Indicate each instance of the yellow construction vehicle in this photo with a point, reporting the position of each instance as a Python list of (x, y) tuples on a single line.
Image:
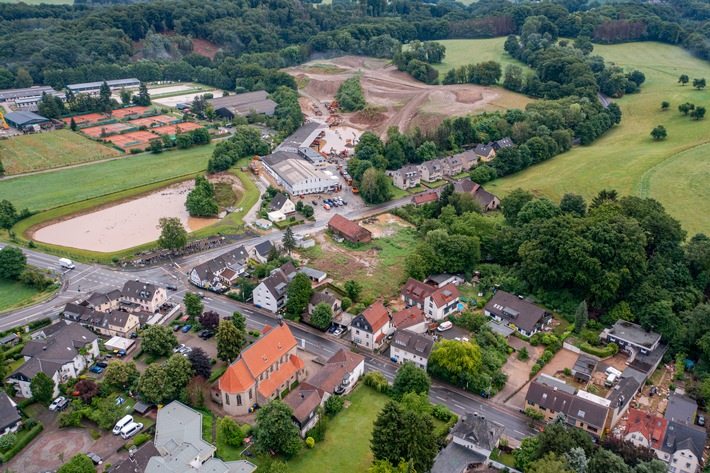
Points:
[(3, 123)]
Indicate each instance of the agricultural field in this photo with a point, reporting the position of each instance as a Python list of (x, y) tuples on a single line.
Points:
[(462, 52), (378, 266), (54, 149), (674, 171), (55, 189)]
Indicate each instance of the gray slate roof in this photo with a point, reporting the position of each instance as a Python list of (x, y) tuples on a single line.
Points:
[(475, 428), (419, 345), (139, 290), (278, 202), (679, 437), (634, 333), (455, 458), (138, 462), (263, 248), (510, 308), (9, 415), (681, 409)]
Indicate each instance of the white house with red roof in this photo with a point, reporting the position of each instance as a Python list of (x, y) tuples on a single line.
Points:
[(262, 372), (370, 328), (442, 302)]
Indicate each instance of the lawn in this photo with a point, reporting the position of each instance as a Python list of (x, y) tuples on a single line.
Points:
[(462, 52), (14, 295), (54, 189), (54, 149), (435, 184), (378, 266), (673, 171), (347, 442)]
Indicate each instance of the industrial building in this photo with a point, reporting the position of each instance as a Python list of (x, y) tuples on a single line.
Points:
[(93, 88), (297, 175), (22, 119), (243, 105), (301, 138), (10, 95)]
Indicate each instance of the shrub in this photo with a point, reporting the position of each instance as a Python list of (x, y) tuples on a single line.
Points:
[(535, 369), (8, 441), (523, 354), (672, 386), (30, 423), (609, 350), (534, 414), (441, 412), (34, 432), (69, 419), (140, 439), (568, 372), (95, 435), (333, 405), (310, 443), (377, 380)]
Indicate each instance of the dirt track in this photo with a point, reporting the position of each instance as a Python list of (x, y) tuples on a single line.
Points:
[(403, 101)]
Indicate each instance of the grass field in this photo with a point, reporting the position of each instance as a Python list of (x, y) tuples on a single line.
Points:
[(462, 52), (14, 295), (347, 441), (26, 153), (55, 189), (674, 171)]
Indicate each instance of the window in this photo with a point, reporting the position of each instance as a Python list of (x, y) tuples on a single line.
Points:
[(239, 399), (226, 398), (250, 395)]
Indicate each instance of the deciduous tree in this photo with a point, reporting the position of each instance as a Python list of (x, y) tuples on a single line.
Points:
[(410, 379), (155, 385), (173, 235), (87, 390), (230, 341), (12, 262), (374, 187), (121, 374), (275, 430), (79, 463), (353, 289), (659, 133), (179, 370), (698, 113), (683, 79), (699, 83), (299, 293), (230, 431), (200, 362), (209, 319), (158, 340), (322, 315), (239, 321), (42, 387), (193, 304)]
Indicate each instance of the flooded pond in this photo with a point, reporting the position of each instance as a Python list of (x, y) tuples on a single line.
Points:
[(124, 225)]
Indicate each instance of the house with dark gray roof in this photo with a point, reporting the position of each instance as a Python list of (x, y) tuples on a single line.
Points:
[(431, 171), (270, 294), (260, 252), (684, 446), (502, 143), (631, 337), (10, 418), (681, 409), (281, 203), (220, 271), (62, 356), (324, 298), (406, 177), (474, 438), (143, 296), (516, 312), (486, 153), (178, 440), (409, 346), (137, 461)]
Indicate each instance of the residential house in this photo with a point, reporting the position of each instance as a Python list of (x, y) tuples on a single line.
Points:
[(181, 448), (684, 446), (681, 409), (406, 177), (260, 252), (270, 294), (281, 203), (370, 328), (621, 395), (645, 430), (10, 419), (337, 377), (415, 293), (348, 229), (412, 320), (263, 371), (324, 298), (147, 297), (517, 313), (474, 439), (62, 356), (441, 280), (502, 143), (221, 271), (276, 216), (118, 323), (421, 199), (468, 159), (408, 346), (485, 153), (137, 461), (631, 337), (453, 165), (431, 171), (487, 200), (263, 224), (442, 302)]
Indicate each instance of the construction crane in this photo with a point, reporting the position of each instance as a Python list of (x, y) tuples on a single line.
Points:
[(3, 123)]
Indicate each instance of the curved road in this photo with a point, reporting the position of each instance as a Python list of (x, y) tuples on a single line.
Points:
[(90, 278)]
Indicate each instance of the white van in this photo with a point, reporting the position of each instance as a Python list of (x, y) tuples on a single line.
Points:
[(66, 263), (444, 326), (130, 430), (121, 424)]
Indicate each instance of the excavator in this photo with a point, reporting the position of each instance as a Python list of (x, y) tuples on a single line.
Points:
[(3, 123)]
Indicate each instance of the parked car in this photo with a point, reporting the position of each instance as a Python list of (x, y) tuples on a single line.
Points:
[(130, 430), (102, 364), (55, 403), (326, 206), (121, 353), (338, 332), (701, 421), (332, 329), (205, 334), (134, 335), (63, 405), (176, 328), (95, 458), (171, 287), (122, 423), (178, 348), (186, 328), (314, 202), (96, 369), (185, 351), (201, 294)]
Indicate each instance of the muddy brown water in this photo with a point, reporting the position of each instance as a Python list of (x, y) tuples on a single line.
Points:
[(126, 224)]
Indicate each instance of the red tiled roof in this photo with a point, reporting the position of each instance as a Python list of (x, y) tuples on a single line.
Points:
[(424, 198), (376, 315), (347, 227), (380, 337), (650, 426), (265, 351), (445, 295), (277, 378), (408, 317), (303, 401), (417, 291), (236, 379), (351, 360)]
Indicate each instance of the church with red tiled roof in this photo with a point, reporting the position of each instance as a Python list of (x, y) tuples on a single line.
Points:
[(262, 372)]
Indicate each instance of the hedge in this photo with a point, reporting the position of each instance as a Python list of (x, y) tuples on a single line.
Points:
[(22, 443), (609, 350), (442, 431)]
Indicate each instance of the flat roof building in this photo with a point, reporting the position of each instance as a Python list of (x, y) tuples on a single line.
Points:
[(94, 87), (243, 105), (9, 95), (631, 336), (301, 138), (24, 118), (296, 175)]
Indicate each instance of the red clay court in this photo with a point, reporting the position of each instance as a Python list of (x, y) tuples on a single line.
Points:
[(130, 112), (109, 129), (133, 139), (158, 120), (87, 119), (173, 129)]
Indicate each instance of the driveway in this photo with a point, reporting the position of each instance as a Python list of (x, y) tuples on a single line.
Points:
[(53, 446), (518, 376)]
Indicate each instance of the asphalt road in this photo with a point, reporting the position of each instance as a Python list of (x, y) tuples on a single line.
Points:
[(95, 278)]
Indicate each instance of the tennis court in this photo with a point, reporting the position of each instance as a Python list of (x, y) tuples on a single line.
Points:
[(132, 140), (176, 128), (130, 112), (108, 129), (158, 120)]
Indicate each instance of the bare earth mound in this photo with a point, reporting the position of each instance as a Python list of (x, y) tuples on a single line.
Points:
[(404, 101)]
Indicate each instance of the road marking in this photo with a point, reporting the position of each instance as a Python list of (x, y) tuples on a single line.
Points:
[(460, 407), (440, 398)]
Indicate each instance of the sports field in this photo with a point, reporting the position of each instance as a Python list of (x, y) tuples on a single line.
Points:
[(675, 171), (50, 190), (462, 52), (26, 153)]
